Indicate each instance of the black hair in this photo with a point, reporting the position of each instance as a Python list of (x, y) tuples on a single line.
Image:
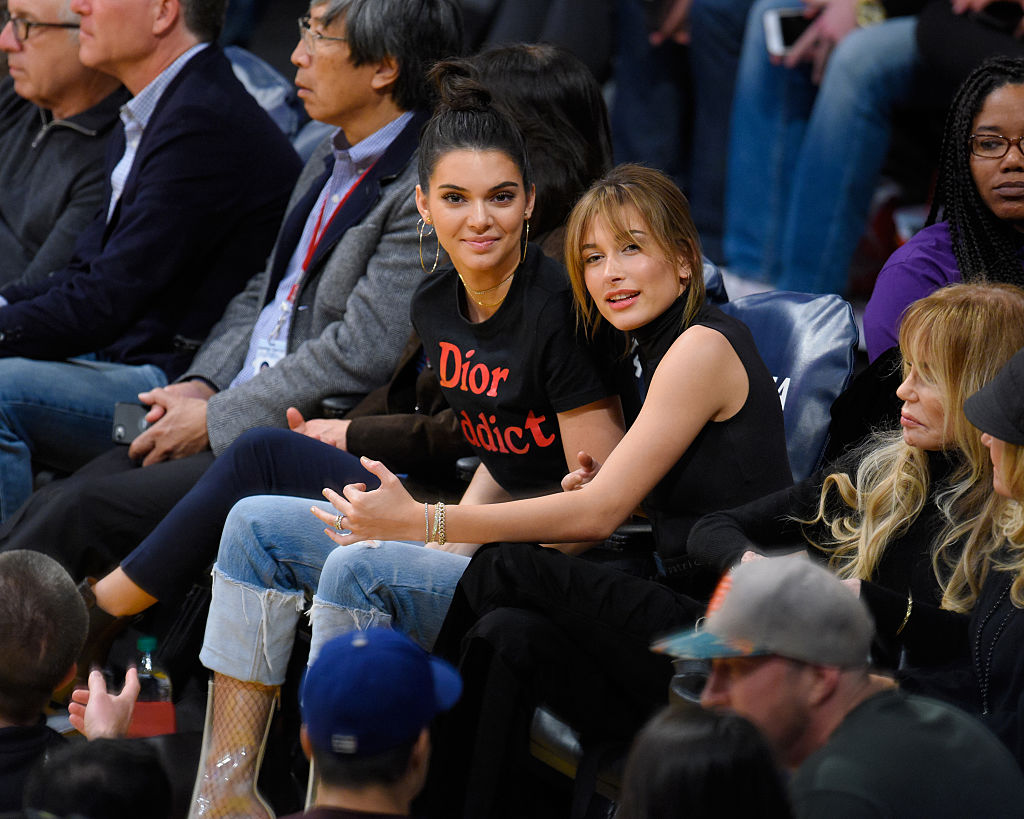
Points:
[(204, 18), (385, 768), (102, 779), (43, 620), (557, 104), (695, 763), (465, 119), (417, 33), (985, 247)]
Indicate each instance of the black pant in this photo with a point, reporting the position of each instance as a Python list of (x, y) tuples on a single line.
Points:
[(530, 626)]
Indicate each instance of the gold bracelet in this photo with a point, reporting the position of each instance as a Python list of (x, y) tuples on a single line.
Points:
[(426, 522), (906, 617), (439, 523)]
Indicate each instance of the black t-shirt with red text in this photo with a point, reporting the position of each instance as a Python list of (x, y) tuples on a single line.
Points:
[(509, 376)]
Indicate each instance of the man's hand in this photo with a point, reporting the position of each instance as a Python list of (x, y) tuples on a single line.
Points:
[(178, 418), (331, 431), (98, 715), (675, 24), (835, 19)]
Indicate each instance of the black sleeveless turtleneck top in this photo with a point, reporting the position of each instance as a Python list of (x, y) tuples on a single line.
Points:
[(729, 462)]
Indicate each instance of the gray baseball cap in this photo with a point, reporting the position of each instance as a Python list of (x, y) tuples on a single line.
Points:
[(787, 606)]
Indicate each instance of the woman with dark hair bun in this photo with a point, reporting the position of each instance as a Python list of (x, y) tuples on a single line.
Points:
[(979, 197), (560, 110)]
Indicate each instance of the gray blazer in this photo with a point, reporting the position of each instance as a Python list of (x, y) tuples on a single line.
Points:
[(352, 312)]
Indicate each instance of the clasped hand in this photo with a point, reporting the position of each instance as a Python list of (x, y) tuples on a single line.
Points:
[(177, 417)]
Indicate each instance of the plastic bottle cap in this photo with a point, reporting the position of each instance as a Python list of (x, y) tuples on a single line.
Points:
[(146, 644)]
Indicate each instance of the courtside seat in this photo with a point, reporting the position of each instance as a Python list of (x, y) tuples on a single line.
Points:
[(808, 342)]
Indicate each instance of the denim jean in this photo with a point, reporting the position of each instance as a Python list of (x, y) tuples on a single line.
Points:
[(59, 413), (716, 37), (648, 115), (804, 161), (274, 555)]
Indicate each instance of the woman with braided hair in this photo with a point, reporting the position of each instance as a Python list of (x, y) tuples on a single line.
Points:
[(979, 195)]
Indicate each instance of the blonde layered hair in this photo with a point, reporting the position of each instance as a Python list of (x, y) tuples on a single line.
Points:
[(625, 192), (1009, 523), (959, 336)]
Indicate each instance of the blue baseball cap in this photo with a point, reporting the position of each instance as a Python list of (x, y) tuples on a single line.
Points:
[(370, 691)]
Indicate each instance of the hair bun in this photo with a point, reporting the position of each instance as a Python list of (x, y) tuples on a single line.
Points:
[(458, 87)]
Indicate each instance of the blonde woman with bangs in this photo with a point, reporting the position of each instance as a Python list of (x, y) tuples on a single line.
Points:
[(996, 689), (907, 517)]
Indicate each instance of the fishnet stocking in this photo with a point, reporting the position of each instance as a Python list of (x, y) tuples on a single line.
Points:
[(237, 719)]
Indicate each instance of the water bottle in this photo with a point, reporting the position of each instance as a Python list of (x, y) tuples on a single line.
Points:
[(154, 710)]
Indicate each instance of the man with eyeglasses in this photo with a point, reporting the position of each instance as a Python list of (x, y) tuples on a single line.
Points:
[(788, 646), (330, 314), (196, 181), (55, 118)]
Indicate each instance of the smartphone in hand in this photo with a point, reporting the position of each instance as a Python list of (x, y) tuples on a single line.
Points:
[(129, 422), (783, 27)]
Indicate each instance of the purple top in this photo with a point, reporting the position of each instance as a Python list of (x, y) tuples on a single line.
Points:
[(921, 266)]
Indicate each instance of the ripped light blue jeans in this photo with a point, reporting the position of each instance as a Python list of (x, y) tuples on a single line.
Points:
[(274, 557)]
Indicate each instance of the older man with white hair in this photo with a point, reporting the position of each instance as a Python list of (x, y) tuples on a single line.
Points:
[(55, 117)]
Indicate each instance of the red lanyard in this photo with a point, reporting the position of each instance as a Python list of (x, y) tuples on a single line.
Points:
[(318, 234)]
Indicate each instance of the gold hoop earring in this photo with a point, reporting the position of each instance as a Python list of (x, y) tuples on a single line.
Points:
[(526, 239), (424, 228)]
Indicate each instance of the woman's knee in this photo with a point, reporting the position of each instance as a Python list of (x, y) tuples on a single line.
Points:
[(870, 63)]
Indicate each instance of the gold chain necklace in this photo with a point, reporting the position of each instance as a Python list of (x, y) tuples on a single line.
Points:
[(488, 289), (474, 293)]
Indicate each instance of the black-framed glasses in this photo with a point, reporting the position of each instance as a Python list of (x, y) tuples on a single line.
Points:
[(311, 39), (23, 27), (994, 146)]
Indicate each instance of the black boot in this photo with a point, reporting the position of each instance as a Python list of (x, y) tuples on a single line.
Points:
[(103, 628)]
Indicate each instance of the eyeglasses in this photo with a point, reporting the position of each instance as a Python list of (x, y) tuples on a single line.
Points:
[(311, 39), (23, 27), (994, 146)]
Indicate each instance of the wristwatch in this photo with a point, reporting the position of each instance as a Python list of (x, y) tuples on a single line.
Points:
[(869, 12)]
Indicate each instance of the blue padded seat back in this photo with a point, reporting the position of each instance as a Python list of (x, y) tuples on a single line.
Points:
[(275, 94), (714, 284), (310, 136), (808, 342)]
